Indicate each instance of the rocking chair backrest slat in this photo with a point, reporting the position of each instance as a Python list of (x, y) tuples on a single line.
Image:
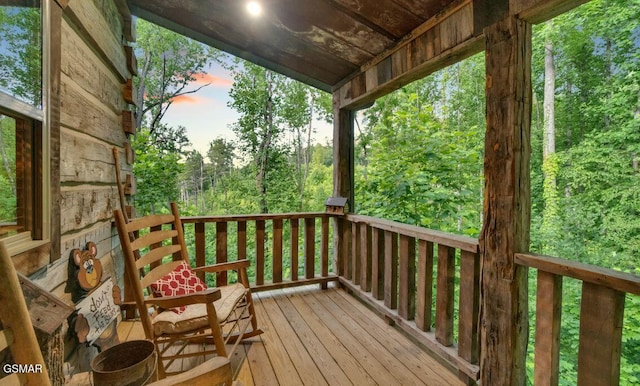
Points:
[(149, 221), (152, 238), (158, 273), (156, 255)]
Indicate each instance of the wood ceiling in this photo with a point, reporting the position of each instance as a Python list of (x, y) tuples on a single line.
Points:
[(319, 42)]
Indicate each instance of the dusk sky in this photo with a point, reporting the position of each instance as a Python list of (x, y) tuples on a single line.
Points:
[(206, 116)]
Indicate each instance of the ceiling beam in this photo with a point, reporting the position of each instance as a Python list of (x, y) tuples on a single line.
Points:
[(448, 37)]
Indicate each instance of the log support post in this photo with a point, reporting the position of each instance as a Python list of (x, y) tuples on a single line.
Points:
[(504, 314), (343, 175)]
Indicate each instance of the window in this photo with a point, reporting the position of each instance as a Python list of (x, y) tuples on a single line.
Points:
[(23, 141)]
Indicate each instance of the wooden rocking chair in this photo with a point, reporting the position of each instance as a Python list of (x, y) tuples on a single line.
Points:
[(17, 331), (190, 314)]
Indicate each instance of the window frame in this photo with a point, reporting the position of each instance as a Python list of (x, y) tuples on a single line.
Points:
[(38, 177)]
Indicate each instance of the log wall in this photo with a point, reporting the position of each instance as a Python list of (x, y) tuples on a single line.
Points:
[(90, 79)]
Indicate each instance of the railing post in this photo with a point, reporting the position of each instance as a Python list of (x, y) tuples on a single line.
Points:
[(295, 226), (468, 310), (377, 264), (365, 256), (277, 251), (444, 294), (425, 285), (260, 225), (309, 247), (601, 312), (391, 270), (324, 247), (407, 301), (356, 260), (548, 312), (221, 251), (507, 202)]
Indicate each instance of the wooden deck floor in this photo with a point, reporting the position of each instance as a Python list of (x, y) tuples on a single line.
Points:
[(316, 337)]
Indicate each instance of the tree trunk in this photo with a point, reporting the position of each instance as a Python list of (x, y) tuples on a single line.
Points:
[(549, 159)]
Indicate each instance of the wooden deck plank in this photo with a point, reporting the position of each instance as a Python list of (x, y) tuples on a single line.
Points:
[(258, 361), (298, 354), (417, 360), (314, 336), (351, 367), (390, 362), (359, 352), (332, 372), (285, 372)]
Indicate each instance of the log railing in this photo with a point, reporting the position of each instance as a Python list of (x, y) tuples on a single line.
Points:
[(601, 318), (391, 266), (304, 243)]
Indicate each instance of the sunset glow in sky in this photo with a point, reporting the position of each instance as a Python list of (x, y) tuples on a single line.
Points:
[(206, 116)]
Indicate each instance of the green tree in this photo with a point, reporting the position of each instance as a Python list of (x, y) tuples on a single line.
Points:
[(157, 172), (21, 56), (169, 63)]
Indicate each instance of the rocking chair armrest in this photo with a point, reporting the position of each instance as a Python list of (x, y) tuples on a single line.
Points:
[(222, 267), (209, 295)]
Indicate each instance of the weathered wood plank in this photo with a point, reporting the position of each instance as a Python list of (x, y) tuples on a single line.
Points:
[(331, 371), (221, 251), (277, 251), (82, 66), (200, 239), (537, 11), (452, 240), (85, 205), (619, 281), (278, 356), (346, 249), (85, 159), (343, 147), (365, 257), (601, 311), (444, 295), (260, 252), (294, 225), (356, 259), (91, 23), (407, 272), (391, 270), (84, 113), (324, 248), (309, 247), (417, 360), (377, 264), (548, 312), (425, 285), (295, 349), (331, 341), (507, 203), (242, 240), (341, 325), (469, 307)]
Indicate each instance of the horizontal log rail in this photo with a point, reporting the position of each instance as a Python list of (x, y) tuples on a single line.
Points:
[(391, 266), (601, 318), (306, 232)]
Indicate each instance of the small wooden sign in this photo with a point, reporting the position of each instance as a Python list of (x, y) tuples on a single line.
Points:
[(99, 310)]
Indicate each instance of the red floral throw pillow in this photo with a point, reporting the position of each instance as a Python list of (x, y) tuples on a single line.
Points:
[(181, 281)]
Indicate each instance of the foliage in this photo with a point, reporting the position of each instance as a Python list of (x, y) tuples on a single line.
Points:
[(420, 161), (169, 64), (20, 53), (157, 171)]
